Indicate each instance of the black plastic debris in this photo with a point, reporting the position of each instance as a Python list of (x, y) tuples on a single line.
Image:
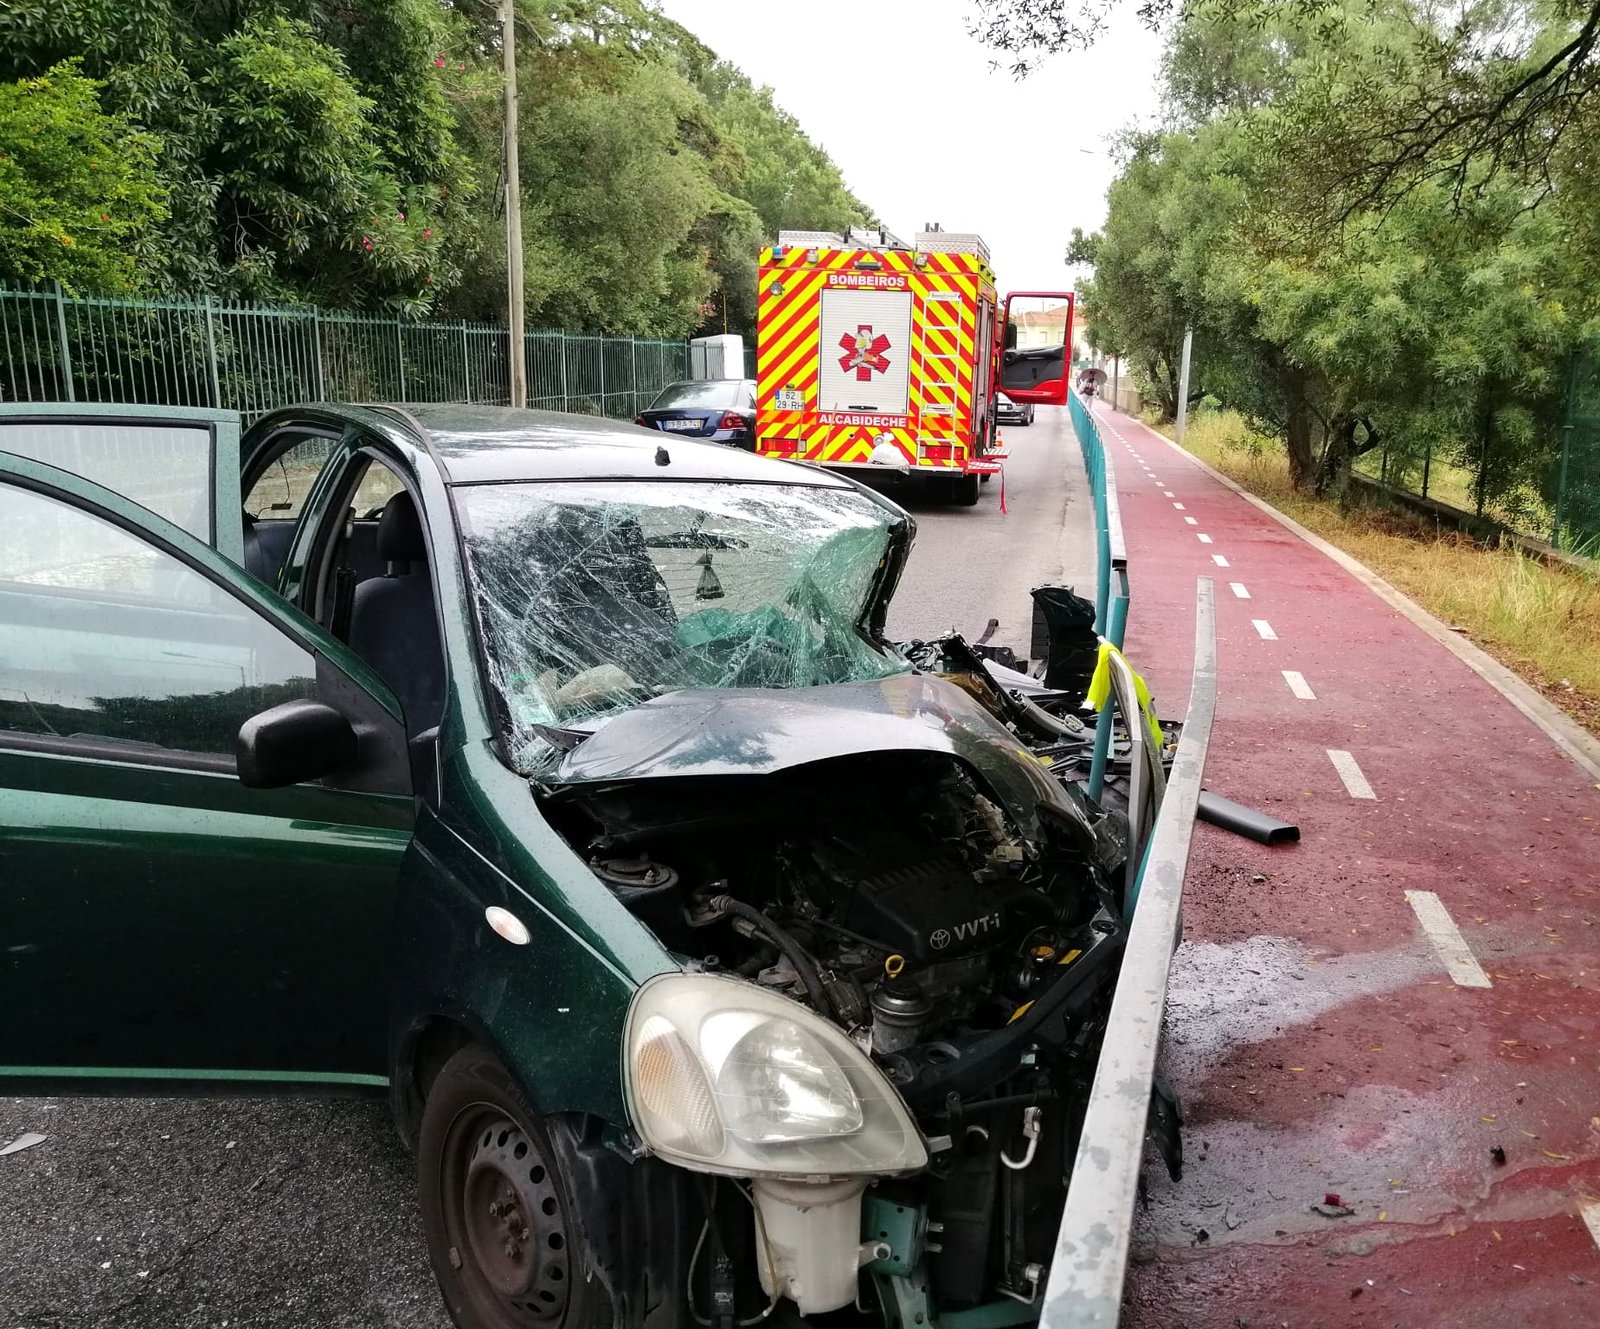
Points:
[(1253, 825), (1064, 638)]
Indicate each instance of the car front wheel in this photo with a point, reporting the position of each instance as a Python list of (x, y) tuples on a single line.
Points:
[(497, 1209)]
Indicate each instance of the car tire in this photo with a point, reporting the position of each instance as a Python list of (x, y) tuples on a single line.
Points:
[(497, 1206), (1028, 420)]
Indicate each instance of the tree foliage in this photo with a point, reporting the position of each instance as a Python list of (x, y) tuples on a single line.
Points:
[(1435, 320), (351, 154), (79, 193)]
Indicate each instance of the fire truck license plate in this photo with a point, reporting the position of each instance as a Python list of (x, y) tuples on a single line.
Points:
[(789, 399)]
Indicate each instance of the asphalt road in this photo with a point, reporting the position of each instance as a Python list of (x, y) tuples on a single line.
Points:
[(973, 564), (138, 1213)]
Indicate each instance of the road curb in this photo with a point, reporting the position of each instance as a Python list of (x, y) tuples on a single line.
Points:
[(1572, 739)]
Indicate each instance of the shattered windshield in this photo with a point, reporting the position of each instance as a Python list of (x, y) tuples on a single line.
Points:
[(595, 596)]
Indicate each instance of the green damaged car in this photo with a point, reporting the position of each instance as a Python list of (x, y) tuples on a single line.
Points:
[(558, 782)]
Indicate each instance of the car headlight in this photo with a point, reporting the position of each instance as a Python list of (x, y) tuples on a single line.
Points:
[(726, 1077)]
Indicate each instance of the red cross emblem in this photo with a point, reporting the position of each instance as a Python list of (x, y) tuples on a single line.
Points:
[(864, 353)]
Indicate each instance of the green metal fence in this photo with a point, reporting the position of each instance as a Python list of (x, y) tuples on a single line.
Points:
[(1577, 480), (251, 358), (1553, 491)]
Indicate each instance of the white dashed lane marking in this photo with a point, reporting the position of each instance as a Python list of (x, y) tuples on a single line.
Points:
[(1298, 685), (1590, 1214), (1203, 539), (1264, 629), (1354, 781), (1238, 588), (1178, 506), (1450, 945), (1191, 521), (1166, 493), (1219, 560)]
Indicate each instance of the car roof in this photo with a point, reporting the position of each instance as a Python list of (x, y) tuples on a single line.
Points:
[(496, 444)]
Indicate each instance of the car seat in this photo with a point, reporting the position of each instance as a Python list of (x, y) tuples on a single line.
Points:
[(393, 623)]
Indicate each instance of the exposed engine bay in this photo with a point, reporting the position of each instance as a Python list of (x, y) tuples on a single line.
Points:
[(897, 895)]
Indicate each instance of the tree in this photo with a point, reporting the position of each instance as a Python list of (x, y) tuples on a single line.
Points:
[(288, 169), (79, 192), (1437, 325), (351, 154)]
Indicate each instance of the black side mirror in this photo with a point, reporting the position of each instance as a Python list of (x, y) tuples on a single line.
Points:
[(294, 742)]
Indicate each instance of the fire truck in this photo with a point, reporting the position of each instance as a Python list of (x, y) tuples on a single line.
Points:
[(876, 354)]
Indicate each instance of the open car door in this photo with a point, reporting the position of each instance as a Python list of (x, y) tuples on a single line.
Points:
[(1036, 347)]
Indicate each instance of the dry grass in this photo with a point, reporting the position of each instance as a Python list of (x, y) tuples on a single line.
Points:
[(1542, 621)]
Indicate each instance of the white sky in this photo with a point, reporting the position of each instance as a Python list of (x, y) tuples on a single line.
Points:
[(904, 101)]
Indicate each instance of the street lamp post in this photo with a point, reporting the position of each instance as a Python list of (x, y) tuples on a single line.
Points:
[(1183, 383)]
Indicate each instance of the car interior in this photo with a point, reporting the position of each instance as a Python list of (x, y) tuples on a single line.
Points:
[(393, 624), (373, 587)]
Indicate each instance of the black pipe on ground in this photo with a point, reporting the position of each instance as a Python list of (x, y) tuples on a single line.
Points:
[(1253, 825)]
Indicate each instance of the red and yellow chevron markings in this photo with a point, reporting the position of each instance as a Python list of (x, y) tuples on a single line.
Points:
[(946, 289)]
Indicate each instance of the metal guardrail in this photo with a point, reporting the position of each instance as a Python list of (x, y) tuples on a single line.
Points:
[(1112, 591), (1084, 1290), (1111, 588)]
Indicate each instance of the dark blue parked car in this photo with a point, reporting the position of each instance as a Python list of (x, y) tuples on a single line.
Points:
[(720, 410)]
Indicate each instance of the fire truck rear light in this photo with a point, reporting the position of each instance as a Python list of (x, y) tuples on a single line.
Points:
[(935, 451), (781, 447)]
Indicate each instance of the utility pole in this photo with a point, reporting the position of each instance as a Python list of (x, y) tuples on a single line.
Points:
[(515, 314), (1183, 383)]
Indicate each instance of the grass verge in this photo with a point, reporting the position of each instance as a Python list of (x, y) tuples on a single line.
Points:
[(1541, 621)]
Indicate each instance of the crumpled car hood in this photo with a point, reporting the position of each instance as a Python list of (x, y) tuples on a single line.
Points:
[(758, 731)]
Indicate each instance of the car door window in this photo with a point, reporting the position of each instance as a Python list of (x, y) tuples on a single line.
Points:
[(279, 492), (113, 641), (276, 496), (163, 467), (378, 485)]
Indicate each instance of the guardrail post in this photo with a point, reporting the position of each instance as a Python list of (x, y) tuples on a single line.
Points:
[(211, 353), (66, 352), (1102, 748), (466, 365), (633, 362), (566, 400)]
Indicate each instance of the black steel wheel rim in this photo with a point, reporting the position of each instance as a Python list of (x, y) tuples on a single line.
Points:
[(508, 1234)]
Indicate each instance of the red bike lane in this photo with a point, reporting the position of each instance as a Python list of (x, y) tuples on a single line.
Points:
[(1400, 1015)]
